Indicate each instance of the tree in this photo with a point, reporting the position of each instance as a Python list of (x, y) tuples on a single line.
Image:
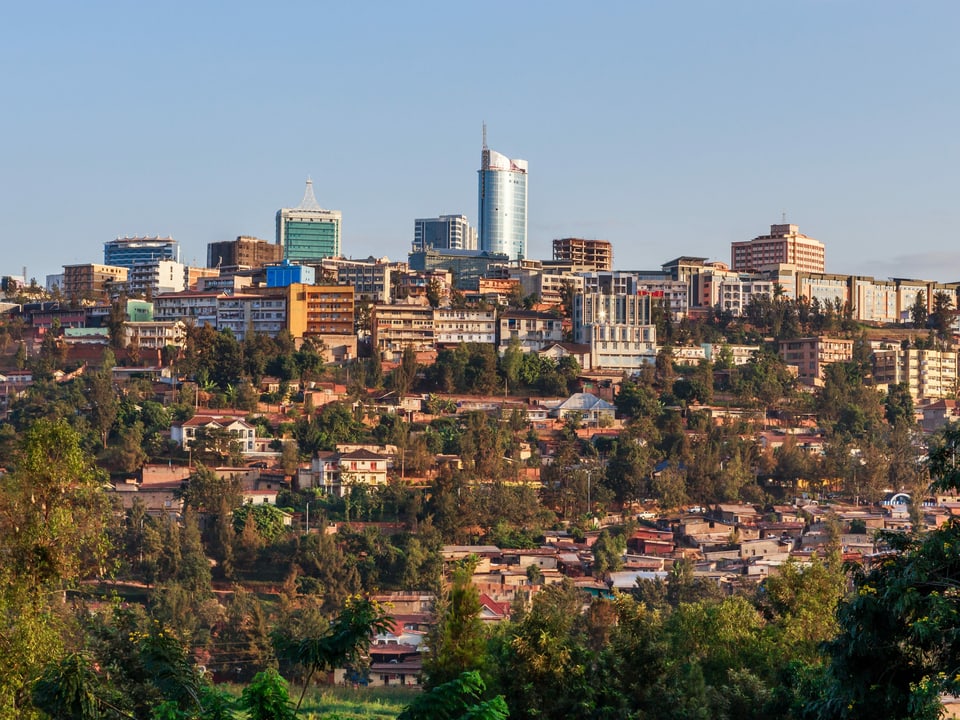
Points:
[(897, 648), (266, 698), (456, 642), (458, 699), (405, 374), (918, 311), (943, 315), (344, 642)]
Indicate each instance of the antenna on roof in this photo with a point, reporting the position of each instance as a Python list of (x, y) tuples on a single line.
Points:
[(484, 135), (783, 217)]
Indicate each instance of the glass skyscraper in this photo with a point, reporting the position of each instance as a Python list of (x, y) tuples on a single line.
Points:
[(308, 232), (502, 223)]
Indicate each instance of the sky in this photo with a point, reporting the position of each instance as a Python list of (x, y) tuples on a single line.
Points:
[(668, 128)]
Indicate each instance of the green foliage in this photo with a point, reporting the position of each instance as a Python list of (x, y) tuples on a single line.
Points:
[(266, 698), (267, 519), (458, 699), (456, 642)]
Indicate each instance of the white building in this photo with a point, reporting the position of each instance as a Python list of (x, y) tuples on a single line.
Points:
[(452, 326), (618, 328)]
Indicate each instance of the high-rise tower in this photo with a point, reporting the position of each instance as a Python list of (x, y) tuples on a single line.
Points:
[(502, 225), (308, 232)]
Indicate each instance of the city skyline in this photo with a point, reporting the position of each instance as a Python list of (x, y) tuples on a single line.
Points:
[(673, 130)]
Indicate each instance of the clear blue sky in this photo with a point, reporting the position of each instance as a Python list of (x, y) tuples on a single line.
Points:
[(668, 128)]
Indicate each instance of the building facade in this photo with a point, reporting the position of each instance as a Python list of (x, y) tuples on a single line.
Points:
[(590, 254), (156, 277), (502, 212), (125, 251), (929, 375), (308, 232), (447, 232), (785, 245), (535, 331), (395, 327), (619, 329), (453, 326), (466, 266), (244, 251), (811, 355), (91, 281)]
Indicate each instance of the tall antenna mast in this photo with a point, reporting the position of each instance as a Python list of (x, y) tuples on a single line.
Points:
[(484, 136)]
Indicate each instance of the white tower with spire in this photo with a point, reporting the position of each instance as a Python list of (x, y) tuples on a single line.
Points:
[(308, 232)]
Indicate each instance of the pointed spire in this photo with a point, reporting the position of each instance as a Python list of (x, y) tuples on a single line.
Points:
[(309, 202)]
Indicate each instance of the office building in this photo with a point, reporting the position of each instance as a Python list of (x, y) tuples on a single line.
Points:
[(308, 232), (447, 232), (371, 279), (785, 245), (588, 254), (618, 328), (324, 313), (125, 251), (466, 266), (929, 375), (502, 223), (245, 251), (91, 281)]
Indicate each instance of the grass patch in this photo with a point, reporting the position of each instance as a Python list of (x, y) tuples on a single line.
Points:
[(347, 703)]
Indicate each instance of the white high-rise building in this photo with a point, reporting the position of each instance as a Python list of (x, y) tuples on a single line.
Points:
[(502, 225), (447, 232)]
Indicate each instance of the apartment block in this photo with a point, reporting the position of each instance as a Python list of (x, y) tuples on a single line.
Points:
[(453, 326), (246, 314), (194, 308), (929, 375), (91, 281), (536, 331), (155, 335), (395, 327), (811, 355)]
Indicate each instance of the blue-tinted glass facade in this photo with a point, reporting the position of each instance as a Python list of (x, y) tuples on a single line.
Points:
[(124, 252), (502, 208)]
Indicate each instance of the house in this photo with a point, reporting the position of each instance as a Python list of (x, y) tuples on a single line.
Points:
[(558, 351), (592, 409), (184, 433), (335, 472)]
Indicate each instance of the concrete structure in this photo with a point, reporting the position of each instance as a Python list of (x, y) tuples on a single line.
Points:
[(308, 232), (371, 279), (395, 327), (91, 281), (592, 254), (466, 266), (619, 329), (156, 277), (535, 331), (155, 335), (453, 326), (502, 213), (784, 245), (262, 313), (811, 355), (447, 232), (324, 313), (246, 251), (929, 375), (336, 472), (125, 251), (195, 308)]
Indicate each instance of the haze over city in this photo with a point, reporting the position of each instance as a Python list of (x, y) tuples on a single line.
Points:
[(663, 128)]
